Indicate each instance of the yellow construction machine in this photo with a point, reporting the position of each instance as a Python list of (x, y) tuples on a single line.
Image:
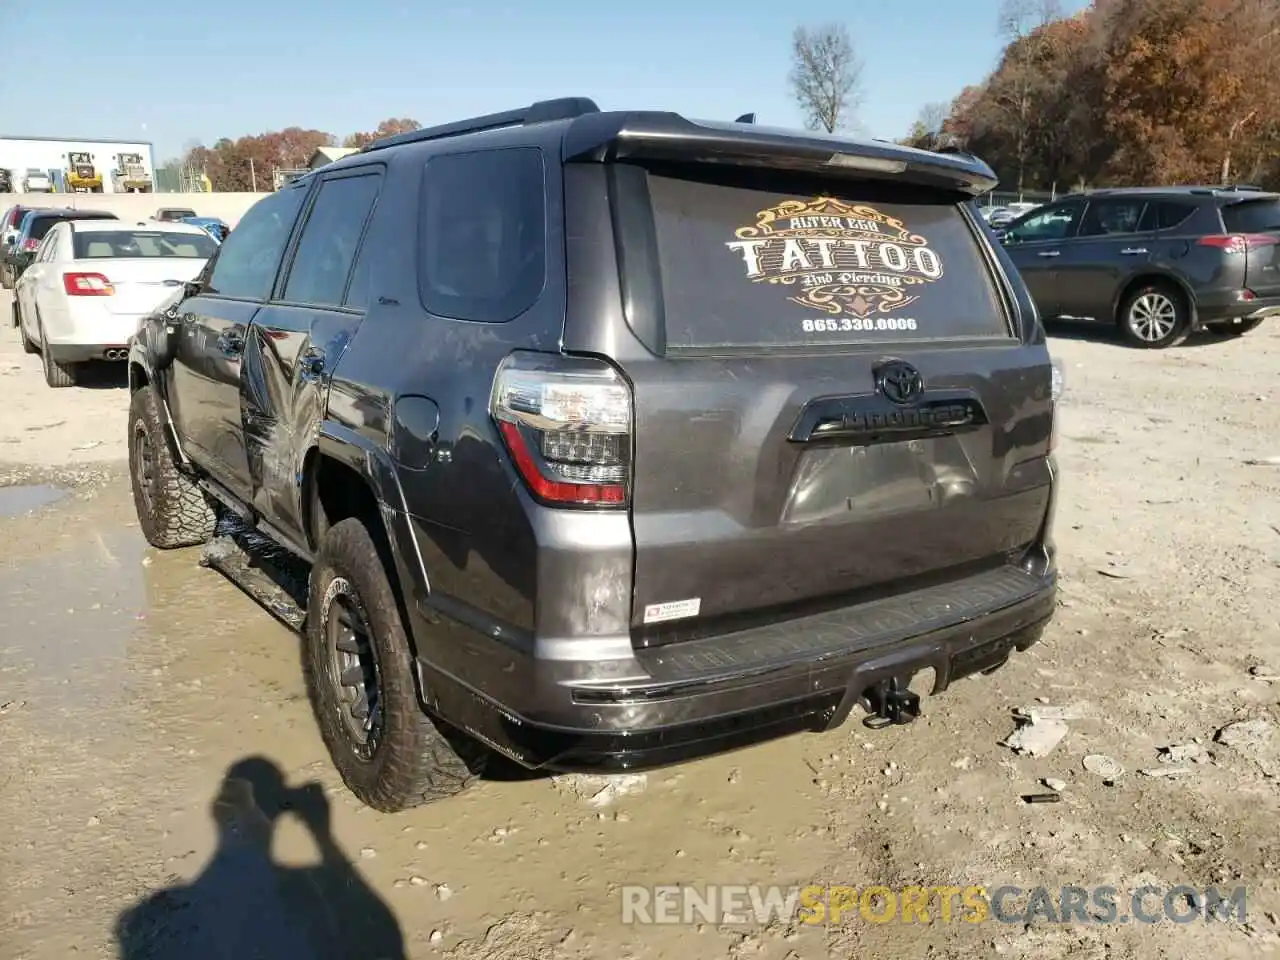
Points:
[(131, 175), (82, 176)]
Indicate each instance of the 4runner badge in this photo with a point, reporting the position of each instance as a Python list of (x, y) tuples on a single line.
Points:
[(845, 260)]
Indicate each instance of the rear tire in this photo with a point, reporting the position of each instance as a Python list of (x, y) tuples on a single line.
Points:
[(1155, 316), (1228, 328), (172, 510), (360, 679), (56, 375)]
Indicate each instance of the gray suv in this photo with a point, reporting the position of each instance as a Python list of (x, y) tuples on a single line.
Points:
[(1158, 262), (607, 439)]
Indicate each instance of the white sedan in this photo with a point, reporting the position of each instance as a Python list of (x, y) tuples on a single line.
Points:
[(93, 281)]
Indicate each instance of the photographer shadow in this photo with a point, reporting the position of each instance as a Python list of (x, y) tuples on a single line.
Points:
[(243, 905)]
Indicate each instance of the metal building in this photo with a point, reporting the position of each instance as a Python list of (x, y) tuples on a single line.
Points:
[(66, 164)]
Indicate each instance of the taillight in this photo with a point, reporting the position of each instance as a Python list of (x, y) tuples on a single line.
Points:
[(1237, 243), (566, 422), (1055, 395), (87, 285), (30, 244)]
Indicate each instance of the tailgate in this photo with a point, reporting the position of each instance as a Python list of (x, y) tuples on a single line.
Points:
[(833, 403), (1258, 220)]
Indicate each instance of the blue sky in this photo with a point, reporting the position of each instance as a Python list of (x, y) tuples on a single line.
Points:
[(172, 72)]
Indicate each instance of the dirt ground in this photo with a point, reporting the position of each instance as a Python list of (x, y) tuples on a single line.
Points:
[(137, 688)]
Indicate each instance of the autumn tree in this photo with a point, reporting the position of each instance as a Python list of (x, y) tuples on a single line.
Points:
[(1186, 83), (826, 75), (1020, 81), (387, 128)]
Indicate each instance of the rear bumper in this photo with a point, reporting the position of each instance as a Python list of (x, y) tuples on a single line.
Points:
[(82, 352), (668, 704), (1219, 309)]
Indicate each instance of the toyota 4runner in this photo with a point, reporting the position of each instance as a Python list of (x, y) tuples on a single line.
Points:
[(607, 439)]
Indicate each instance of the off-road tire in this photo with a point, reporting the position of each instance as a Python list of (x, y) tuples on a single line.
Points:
[(1180, 330), (1228, 329), (172, 511), (416, 759)]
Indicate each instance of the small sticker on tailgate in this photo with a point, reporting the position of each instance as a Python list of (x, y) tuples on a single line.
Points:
[(672, 610)]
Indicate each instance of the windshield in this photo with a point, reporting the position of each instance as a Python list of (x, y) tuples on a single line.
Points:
[(101, 244)]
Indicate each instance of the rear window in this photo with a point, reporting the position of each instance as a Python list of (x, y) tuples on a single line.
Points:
[(142, 244), (756, 260), (1252, 216), (42, 225)]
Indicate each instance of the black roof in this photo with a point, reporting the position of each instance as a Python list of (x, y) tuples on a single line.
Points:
[(589, 133)]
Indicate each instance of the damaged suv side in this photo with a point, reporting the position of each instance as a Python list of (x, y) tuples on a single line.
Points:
[(607, 439)]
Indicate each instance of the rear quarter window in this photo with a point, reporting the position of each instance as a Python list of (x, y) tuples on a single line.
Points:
[(482, 234), (752, 261)]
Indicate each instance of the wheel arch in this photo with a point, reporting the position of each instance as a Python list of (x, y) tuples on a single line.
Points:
[(345, 474), (1155, 276)]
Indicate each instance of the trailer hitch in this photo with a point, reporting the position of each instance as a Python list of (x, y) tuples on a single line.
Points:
[(891, 703)]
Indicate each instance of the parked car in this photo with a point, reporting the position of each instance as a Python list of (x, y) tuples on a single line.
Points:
[(1158, 262), (34, 225), (173, 214), (36, 181), (10, 224), (93, 281), (6, 180), (571, 469), (216, 227)]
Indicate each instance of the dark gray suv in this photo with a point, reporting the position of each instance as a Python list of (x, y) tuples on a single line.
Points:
[(1158, 262), (612, 438)]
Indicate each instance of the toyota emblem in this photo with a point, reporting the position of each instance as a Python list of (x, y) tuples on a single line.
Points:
[(900, 382)]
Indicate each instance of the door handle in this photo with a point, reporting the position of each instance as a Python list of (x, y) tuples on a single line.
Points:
[(1050, 253), (311, 365), (231, 343), (1132, 251)]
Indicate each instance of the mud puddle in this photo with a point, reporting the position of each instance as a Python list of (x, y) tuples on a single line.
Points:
[(15, 501), (166, 759)]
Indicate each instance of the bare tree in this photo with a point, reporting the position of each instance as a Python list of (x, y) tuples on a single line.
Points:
[(825, 75)]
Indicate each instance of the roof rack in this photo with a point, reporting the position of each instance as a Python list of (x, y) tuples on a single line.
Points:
[(543, 111)]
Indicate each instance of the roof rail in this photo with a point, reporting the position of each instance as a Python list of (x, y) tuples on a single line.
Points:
[(543, 111)]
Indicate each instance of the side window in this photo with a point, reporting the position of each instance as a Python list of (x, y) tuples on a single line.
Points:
[(330, 238), (249, 257), (482, 234), (1053, 223), (1170, 214), (1107, 217)]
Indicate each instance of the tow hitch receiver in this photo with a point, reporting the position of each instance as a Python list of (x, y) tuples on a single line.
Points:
[(890, 703)]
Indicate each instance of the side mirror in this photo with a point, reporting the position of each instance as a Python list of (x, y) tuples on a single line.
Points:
[(191, 288)]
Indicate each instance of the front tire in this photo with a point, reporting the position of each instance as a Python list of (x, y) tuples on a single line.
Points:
[(172, 510), (1155, 316), (360, 679), (1236, 328), (27, 345)]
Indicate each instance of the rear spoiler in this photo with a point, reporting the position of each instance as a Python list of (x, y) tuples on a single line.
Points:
[(606, 137)]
